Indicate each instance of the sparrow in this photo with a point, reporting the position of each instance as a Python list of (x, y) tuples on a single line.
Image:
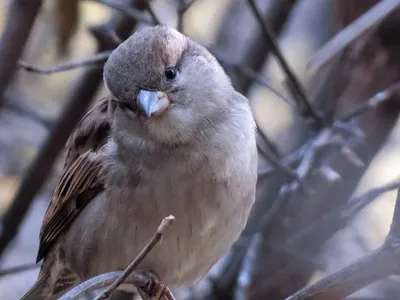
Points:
[(172, 138)]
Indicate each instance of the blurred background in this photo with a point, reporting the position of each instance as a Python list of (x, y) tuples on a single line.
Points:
[(309, 169)]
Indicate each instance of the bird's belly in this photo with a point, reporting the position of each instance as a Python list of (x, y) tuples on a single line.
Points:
[(207, 222)]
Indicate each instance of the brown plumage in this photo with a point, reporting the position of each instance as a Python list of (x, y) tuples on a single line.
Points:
[(81, 179), (178, 140)]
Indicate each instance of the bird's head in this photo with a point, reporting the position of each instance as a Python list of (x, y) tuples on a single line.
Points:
[(171, 85)]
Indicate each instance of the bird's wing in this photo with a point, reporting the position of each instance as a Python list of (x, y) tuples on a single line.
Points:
[(82, 178)]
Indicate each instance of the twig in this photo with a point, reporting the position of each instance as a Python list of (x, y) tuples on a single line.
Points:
[(42, 164), (132, 266), (271, 145), (21, 17), (312, 147), (18, 269), (304, 103), (321, 230), (21, 106), (127, 10), (347, 281), (184, 5), (341, 40), (77, 102), (380, 264), (101, 57), (372, 102), (249, 73), (341, 123), (94, 59), (277, 164), (249, 267), (156, 20)]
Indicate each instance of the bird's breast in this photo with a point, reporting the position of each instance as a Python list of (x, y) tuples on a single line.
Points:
[(209, 217)]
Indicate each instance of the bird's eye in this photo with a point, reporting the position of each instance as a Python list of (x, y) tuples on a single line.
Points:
[(170, 72)]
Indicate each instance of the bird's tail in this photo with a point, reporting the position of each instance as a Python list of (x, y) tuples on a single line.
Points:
[(36, 292)]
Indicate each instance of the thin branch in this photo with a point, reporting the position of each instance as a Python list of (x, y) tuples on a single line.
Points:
[(156, 20), (21, 106), (277, 164), (42, 164), (372, 102), (77, 102), (139, 258), (101, 57), (113, 280), (348, 280), (341, 123), (249, 73), (94, 59), (324, 228), (127, 10), (341, 40), (310, 153), (20, 20), (304, 103), (380, 264), (271, 145), (18, 269), (249, 267), (184, 5)]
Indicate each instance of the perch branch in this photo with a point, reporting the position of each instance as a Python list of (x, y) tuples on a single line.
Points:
[(20, 20), (113, 280), (132, 266), (342, 39)]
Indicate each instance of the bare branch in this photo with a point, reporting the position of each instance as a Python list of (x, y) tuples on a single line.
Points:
[(372, 102), (184, 5), (77, 102), (94, 59), (350, 279), (156, 20), (326, 226), (127, 10), (113, 280), (304, 104), (20, 20), (277, 164), (18, 269), (341, 40), (249, 73), (132, 266), (380, 264)]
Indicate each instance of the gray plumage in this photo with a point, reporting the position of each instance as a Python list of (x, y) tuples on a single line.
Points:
[(194, 158)]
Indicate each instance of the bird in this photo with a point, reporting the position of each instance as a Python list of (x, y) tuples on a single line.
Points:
[(173, 137)]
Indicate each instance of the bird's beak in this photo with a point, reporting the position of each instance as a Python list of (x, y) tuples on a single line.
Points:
[(152, 103)]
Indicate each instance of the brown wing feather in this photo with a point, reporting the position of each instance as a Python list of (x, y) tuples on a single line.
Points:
[(82, 177)]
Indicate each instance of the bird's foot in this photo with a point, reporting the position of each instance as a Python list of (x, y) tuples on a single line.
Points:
[(154, 288)]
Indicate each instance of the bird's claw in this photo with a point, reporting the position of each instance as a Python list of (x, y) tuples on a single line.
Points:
[(154, 289)]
